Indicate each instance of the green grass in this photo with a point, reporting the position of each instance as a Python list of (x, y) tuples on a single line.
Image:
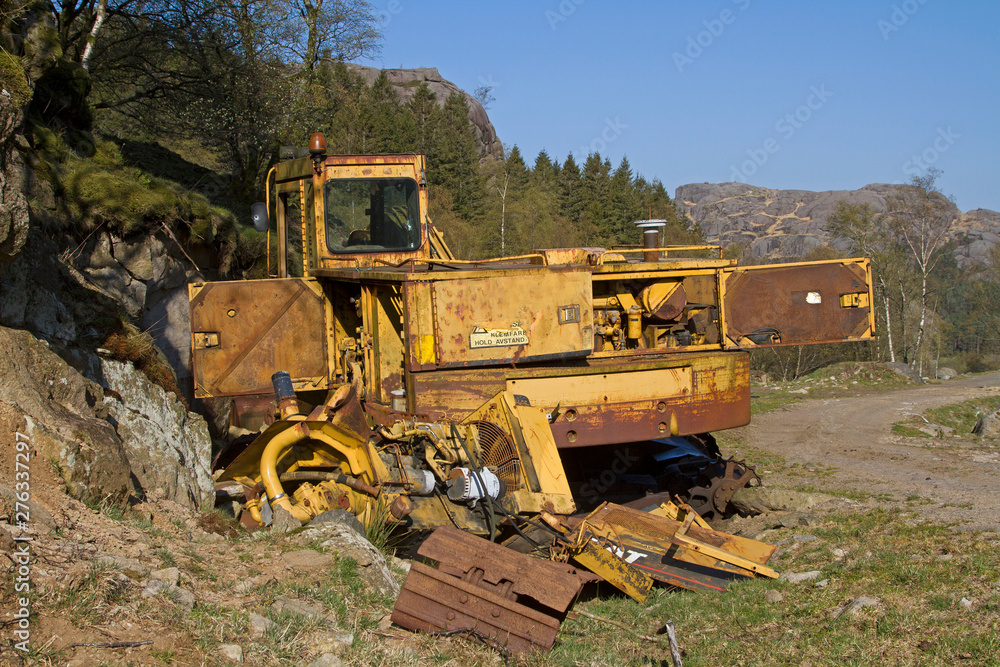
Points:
[(885, 558), (960, 416)]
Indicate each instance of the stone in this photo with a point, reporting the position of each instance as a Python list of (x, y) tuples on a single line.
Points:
[(988, 426), (340, 516), (761, 499), (283, 521), (167, 446), (231, 652), (333, 641), (287, 605), (327, 660), (168, 575), (803, 539), (823, 583), (838, 553), (260, 626), (945, 373), (799, 577), (180, 596), (936, 430), (347, 543), (130, 567), (773, 596), (965, 603), (306, 559), (856, 605), (36, 512), (904, 370)]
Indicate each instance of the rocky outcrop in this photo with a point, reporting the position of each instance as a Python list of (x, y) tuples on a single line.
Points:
[(405, 81), (148, 276), (63, 415), (168, 448), (13, 205), (67, 296), (108, 431), (788, 224)]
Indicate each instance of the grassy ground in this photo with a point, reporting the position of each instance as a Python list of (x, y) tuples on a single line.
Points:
[(961, 417)]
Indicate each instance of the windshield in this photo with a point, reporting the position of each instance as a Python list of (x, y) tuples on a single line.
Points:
[(372, 214)]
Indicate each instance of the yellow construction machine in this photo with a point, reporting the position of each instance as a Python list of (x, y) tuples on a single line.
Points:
[(389, 378)]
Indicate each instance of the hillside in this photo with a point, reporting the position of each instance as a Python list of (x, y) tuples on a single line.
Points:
[(787, 224)]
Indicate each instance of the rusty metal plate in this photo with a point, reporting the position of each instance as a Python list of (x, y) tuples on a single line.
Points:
[(719, 397), (801, 302), (512, 317), (457, 552), (432, 601), (243, 331)]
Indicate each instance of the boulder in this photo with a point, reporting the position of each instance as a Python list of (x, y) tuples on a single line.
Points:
[(168, 448), (988, 425), (904, 370), (760, 499)]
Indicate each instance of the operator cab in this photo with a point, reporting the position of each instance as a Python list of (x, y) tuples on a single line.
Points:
[(346, 211)]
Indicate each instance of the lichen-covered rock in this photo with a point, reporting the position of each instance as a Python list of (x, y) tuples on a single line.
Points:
[(168, 448), (62, 414)]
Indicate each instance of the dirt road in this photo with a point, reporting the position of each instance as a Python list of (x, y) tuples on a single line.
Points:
[(848, 443)]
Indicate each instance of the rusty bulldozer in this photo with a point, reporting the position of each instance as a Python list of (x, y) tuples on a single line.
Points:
[(383, 376)]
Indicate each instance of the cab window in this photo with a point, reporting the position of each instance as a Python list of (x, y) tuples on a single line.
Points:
[(372, 215)]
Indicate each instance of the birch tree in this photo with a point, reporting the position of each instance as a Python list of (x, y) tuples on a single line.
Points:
[(922, 218)]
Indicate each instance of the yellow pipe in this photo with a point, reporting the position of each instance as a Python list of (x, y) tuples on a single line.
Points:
[(272, 453)]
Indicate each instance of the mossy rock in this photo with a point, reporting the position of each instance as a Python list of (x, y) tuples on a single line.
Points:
[(13, 79)]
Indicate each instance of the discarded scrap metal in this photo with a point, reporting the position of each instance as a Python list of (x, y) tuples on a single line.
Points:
[(519, 602), (601, 556), (515, 600), (675, 546)]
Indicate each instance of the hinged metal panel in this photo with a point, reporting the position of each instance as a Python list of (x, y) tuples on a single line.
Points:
[(513, 317), (797, 304), (243, 331)]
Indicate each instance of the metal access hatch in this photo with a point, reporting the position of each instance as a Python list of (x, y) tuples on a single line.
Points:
[(797, 304), (243, 331)]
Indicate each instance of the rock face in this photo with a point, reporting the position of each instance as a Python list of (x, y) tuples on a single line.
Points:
[(63, 415), (13, 205), (148, 276), (405, 81), (787, 224), (168, 448), (59, 296), (108, 435)]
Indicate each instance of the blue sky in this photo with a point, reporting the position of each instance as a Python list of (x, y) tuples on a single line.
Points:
[(781, 93)]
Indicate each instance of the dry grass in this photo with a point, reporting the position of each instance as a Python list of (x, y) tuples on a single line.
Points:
[(137, 347)]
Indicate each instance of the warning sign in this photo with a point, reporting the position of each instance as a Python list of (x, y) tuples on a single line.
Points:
[(498, 337)]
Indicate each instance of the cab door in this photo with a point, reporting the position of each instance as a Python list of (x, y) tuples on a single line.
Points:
[(244, 331), (797, 304)]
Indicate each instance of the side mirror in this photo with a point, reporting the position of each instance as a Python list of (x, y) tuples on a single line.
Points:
[(258, 214)]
